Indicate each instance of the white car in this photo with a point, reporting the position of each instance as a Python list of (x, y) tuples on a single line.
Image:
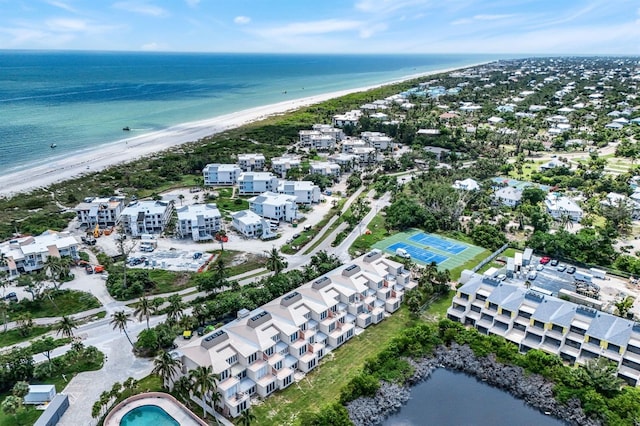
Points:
[(540, 267)]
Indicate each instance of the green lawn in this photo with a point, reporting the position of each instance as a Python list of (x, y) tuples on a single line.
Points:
[(168, 281), (27, 416), (11, 337), (62, 302), (323, 385), (228, 204), (378, 233), (457, 271), (239, 262)]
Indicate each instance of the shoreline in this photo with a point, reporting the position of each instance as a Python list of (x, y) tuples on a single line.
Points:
[(125, 150), (534, 390)]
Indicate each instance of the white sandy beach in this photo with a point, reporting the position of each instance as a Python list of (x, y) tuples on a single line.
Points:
[(128, 149)]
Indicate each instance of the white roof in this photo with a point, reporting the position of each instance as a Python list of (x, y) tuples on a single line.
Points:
[(256, 176), (222, 167), (247, 217), (272, 198), (193, 211), (150, 207), (298, 185), (250, 156)]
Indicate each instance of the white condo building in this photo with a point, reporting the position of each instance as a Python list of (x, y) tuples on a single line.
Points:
[(350, 118), (533, 320), (281, 165), (325, 168), (558, 206), (261, 351), (347, 162), (377, 140), (199, 221), (28, 254), (101, 211), (251, 162), (251, 183), (306, 192), (146, 217), (251, 225), (221, 174), (273, 206)]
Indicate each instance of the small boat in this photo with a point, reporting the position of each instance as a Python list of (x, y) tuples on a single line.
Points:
[(126, 129), (53, 145)]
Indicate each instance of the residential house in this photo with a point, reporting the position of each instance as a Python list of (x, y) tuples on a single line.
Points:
[(274, 206), (365, 156), (221, 174), (101, 211), (325, 168), (281, 165), (251, 183), (618, 201), (306, 192), (146, 217), (347, 162), (251, 162), (350, 118), (336, 133), (552, 164), (466, 185), (377, 140), (558, 206), (317, 140), (251, 225), (201, 222), (348, 145), (508, 196), (438, 152), (534, 320), (28, 254), (263, 350)]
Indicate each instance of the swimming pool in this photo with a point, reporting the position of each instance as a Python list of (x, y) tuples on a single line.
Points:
[(148, 415)]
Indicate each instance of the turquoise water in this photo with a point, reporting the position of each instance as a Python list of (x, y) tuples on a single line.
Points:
[(79, 100), (148, 415)]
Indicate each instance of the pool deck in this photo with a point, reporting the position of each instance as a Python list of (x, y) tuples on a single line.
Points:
[(165, 401)]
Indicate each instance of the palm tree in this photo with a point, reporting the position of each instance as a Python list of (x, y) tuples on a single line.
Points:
[(65, 326), (143, 310), (275, 262), (4, 308), (247, 418), (53, 266), (181, 388), (174, 310), (119, 320), (166, 366), (181, 197), (25, 323), (204, 382)]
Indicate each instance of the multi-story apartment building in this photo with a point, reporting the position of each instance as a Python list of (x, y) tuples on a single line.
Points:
[(273, 206), (28, 254), (347, 162), (221, 174), (199, 221), (266, 349), (325, 168), (350, 118), (251, 162), (103, 211), (281, 165), (251, 225), (306, 192), (534, 320), (252, 183), (146, 217), (377, 140)]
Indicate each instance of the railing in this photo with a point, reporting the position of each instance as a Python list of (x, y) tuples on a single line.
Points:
[(489, 258)]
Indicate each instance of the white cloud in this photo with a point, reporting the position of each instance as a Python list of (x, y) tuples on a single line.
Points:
[(369, 30), (61, 5), (313, 27), (151, 47), (193, 3), (387, 6), (66, 25), (241, 20), (141, 8), (478, 18)]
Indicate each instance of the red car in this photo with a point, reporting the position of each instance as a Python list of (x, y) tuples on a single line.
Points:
[(545, 260)]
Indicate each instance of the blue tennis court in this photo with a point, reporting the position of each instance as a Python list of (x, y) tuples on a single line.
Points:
[(439, 243), (418, 253)]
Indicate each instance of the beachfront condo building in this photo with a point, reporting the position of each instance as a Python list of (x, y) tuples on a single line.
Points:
[(101, 211), (201, 222), (275, 207), (532, 319), (221, 174), (281, 165), (250, 225), (326, 129), (251, 162), (273, 346), (146, 217), (347, 162), (349, 144), (377, 140), (306, 192), (350, 118), (254, 183), (325, 168), (28, 254)]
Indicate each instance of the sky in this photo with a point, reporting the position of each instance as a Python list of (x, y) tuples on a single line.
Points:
[(325, 26)]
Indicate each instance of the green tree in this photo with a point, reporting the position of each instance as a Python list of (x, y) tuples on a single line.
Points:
[(143, 310), (175, 308), (533, 195), (4, 309), (119, 320), (275, 262), (45, 346), (603, 375), (53, 266), (204, 383), (65, 326), (11, 405), (25, 323), (166, 366), (247, 418)]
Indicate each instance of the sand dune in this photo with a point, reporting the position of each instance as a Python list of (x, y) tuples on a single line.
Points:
[(128, 149)]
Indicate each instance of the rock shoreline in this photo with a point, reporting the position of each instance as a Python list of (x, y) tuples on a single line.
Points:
[(535, 390)]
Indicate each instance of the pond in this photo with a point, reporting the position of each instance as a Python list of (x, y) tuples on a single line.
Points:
[(449, 398)]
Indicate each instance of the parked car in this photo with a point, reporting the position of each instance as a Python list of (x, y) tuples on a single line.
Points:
[(540, 267), (11, 297), (554, 262), (200, 331), (197, 255), (545, 260), (571, 270), (402, 253), (532, 276), (501, 277), (561, 267)]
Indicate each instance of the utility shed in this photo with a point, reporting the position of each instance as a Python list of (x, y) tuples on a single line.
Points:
[(526, 256), (40, 394)]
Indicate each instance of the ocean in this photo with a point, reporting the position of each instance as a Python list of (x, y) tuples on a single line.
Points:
[(80, 100)]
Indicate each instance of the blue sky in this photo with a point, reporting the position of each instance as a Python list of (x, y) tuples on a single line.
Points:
[(331, 26)]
